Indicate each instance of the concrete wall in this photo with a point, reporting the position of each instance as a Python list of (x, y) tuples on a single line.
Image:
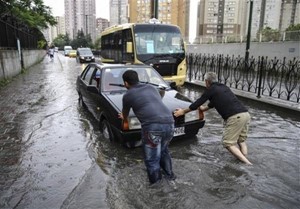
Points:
[(10, 64), (274, 49)]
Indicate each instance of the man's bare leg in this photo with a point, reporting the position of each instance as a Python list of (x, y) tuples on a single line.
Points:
[(238, 154), (243, 148)]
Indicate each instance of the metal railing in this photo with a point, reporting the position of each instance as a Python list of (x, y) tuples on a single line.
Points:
[(12, 30), (262, 76)]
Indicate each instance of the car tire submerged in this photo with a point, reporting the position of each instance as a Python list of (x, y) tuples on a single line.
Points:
[(106, 130)]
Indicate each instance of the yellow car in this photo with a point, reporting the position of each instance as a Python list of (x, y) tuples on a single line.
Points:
[(72, 53)]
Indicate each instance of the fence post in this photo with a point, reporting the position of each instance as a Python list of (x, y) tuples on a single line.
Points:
[(260, 77), (190, 66)]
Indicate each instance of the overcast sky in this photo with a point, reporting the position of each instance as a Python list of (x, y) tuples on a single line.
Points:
[(102, 7)]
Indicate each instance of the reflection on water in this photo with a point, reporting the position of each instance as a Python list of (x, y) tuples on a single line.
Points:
[(52, 155), (209, 177)]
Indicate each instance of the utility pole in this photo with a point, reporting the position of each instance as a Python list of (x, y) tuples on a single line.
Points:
[(154, 9), (86, 25), (249, 32)]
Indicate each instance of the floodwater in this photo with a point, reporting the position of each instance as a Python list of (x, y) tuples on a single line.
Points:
[(52, 155)]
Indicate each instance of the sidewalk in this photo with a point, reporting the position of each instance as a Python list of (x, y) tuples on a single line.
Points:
[(248, 95)]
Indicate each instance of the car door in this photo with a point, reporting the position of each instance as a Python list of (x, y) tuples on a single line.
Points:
[(86, 82), (95, 98)]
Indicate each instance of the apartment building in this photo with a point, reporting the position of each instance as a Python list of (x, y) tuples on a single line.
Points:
[(174, 12), (80, 15), (222, 17), (101, 24), (118, 12)]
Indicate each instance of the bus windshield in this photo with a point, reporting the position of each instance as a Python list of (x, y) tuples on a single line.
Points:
[(158, 39)]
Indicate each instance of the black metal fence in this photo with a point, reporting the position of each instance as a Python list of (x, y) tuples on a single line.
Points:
[(262, 76), (11, 30)]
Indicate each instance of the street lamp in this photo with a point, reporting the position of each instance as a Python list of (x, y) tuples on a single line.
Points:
[(249, 32)]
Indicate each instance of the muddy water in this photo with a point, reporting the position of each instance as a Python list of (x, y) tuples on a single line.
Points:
[(52, 155)]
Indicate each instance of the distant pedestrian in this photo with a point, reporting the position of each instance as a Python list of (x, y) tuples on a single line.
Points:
[(235, 115), (51, 53), (157, 125)]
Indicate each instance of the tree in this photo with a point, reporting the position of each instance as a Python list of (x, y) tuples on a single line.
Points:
[(270, 34), (32, 12), (97, 43), (293, 28), (59, 41), (82, 40), (293, 33)]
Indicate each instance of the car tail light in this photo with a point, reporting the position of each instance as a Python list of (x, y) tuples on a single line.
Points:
[(125, 125), (131, 124)]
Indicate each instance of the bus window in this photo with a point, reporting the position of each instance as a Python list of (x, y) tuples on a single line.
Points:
[(129, 47)]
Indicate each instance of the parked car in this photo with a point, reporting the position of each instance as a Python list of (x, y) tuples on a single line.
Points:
[(72, 53), (100, 88), (67, 50), (85, 55)]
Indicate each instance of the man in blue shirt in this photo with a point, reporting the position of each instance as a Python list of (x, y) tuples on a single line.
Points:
[(235, 115), (157, 125)]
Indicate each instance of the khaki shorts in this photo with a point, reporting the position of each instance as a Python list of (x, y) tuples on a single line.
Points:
[(236, 129)]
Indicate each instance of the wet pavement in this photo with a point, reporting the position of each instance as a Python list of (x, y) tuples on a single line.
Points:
[(52, 154)]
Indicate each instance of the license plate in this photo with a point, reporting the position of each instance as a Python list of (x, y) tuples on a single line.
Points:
[(88, 59), (179, 131)]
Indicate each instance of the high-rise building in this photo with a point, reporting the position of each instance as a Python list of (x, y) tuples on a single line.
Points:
[(53, 31), (222, 17), (60, 26), (275, 14), (101, 24), (80, 16), (174, 12), (118, 12), (290, 14)]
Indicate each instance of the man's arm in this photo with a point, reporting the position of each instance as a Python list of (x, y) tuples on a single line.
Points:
[(182, 111)]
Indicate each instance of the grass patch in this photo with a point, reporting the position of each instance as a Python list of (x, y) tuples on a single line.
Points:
[(4, 82)]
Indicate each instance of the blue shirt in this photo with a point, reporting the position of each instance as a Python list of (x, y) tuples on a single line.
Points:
[(147, 105)]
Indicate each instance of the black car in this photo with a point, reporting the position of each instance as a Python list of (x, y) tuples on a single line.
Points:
[(85, 55), (100, 88)]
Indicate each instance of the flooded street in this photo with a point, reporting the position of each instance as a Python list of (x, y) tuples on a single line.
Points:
[(52, 155)]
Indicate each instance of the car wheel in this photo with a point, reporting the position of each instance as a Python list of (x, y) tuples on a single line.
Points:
[(106, 130), (133, 144)]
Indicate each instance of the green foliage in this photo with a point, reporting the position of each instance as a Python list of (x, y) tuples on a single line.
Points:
[(32, 12), (61, 40), (293, 33), (98, 43), (270, 34), (82, 40), (42, 44), (293, 28)]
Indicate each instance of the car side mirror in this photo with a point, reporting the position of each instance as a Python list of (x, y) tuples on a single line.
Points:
[(92, 89)]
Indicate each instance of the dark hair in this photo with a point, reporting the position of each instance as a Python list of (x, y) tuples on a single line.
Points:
[(131, 77)]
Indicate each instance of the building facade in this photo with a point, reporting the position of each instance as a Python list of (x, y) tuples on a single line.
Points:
[(118, 12), (80, 16), (101, 24), (222, 18), (174, 12)]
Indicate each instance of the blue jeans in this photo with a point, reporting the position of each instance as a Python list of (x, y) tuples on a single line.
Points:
[(156, 138)]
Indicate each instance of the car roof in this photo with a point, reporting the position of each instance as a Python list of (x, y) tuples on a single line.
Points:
[(84, 48), (107, 65)]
